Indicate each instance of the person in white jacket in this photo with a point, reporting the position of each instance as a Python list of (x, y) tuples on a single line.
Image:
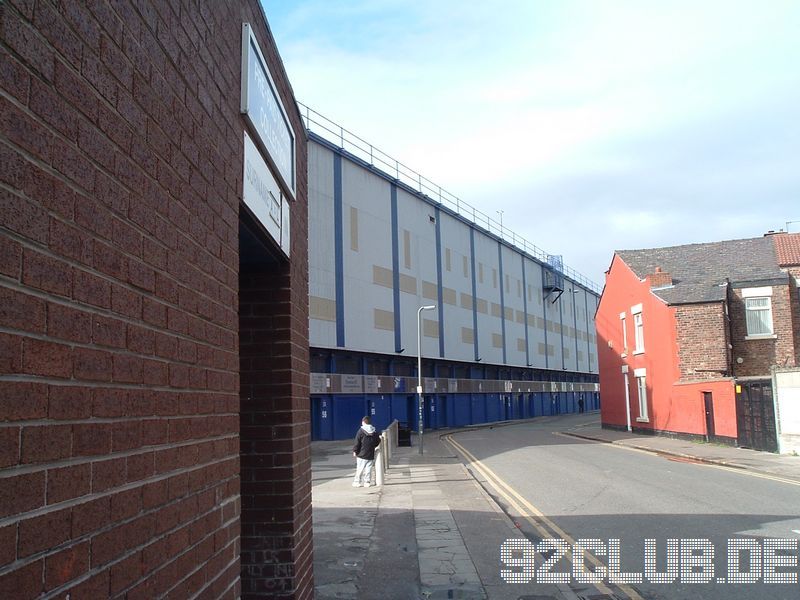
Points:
[(367, 440)]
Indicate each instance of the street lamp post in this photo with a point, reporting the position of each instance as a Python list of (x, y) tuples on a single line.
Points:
[(420, 403)]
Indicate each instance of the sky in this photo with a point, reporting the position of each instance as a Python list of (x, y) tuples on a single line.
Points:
[(594, 126)]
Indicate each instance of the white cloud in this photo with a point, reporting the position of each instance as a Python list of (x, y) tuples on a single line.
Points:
[(595, 126)]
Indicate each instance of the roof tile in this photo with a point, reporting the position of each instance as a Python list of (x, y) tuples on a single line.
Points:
[(700, 271)]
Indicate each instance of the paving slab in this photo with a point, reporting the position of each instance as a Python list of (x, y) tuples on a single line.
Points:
[(430, 532)]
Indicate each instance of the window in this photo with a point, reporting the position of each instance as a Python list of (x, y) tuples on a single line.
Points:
[(638, 329), (623, 324), (758, 311), (641, 390)]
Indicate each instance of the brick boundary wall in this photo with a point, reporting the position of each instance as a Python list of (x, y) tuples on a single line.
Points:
[(120, 182)]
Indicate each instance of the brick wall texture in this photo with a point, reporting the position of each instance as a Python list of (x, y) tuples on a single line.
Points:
[(759, 355), (120, 182), (702, 340)]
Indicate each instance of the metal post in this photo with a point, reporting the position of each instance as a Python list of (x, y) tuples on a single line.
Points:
[(420, 401)]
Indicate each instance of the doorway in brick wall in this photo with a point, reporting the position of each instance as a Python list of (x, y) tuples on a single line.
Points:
[(755, 415), (266, 553)]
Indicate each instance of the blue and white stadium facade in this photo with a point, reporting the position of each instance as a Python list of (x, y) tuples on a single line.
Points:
[(512, 335)]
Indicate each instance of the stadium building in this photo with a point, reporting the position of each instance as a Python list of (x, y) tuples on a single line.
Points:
[(512, 332)]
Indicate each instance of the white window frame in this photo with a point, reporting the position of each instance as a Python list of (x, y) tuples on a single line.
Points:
[(641, 392), (759, 293), (638, 329), (624, 325)]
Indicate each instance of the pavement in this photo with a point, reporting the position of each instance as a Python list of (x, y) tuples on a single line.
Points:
[(432, 532), (779, 465)]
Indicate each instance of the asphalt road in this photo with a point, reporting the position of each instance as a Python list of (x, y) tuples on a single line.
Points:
[(586, 490)]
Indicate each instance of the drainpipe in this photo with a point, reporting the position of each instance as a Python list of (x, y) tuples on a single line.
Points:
[(627, 396)]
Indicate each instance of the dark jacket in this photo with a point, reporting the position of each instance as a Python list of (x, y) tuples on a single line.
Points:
[(365, 443)]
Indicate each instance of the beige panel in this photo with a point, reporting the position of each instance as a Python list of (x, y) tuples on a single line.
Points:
[(495, 309), (382, 276), (430, 290), (509, 313), (430, 328), (566, 352), (532, 320), (540, 322), (497, 340), (519, 289), (353, 228), (494, 278), (480, 272), (466, 301), (322, 308), (530, 295), (521, 344), (580, 356), (467, 335), (407, 248), (520, 317), (408, 284), (447, 263), (466, 267), (384, 319), (550, 349), (483, 306), (449, 296)]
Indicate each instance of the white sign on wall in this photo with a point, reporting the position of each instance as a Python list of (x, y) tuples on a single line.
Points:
[(264, 110), (262, 195)]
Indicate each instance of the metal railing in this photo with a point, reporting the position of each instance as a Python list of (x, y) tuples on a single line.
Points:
[(360, 148)]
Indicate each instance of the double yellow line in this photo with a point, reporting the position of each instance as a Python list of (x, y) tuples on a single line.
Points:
[(533, 515)]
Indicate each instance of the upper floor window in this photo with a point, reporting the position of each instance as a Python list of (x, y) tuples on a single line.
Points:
[(638, 329), (623, 324), (758, 311)]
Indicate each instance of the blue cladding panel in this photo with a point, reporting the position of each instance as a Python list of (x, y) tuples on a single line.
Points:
[(493, 408), (347, 414), (478, 408), (462, 410), (381, 411), (396, 273), (338, 249)]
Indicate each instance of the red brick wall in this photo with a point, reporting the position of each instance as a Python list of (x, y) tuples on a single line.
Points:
[(702, 334), (276, 434), (120, 173), (794, 290), (758, 355)]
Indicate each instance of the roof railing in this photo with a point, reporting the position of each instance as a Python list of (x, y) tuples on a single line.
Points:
[(360, 148)]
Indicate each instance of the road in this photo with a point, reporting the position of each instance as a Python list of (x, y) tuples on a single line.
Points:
[(562, 487)]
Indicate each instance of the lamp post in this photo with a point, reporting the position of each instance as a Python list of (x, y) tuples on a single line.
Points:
[(420, 403)]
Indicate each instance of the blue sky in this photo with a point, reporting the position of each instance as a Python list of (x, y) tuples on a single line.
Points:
[(593, 126)]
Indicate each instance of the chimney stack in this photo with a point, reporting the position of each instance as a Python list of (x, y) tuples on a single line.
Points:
[(659, 279)]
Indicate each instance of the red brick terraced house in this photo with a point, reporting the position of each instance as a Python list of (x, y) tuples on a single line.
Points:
[(687, 337)]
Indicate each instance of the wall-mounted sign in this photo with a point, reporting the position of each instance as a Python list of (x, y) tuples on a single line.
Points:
[(264, 110), (261, 194)]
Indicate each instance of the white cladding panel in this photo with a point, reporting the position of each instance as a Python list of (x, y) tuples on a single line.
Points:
[(487, 261), (458, 322), (322, 269), (417, 262), (366, 245), (514, 306)]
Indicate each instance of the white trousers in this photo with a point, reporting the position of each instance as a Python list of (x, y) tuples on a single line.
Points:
[(363, 471)]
